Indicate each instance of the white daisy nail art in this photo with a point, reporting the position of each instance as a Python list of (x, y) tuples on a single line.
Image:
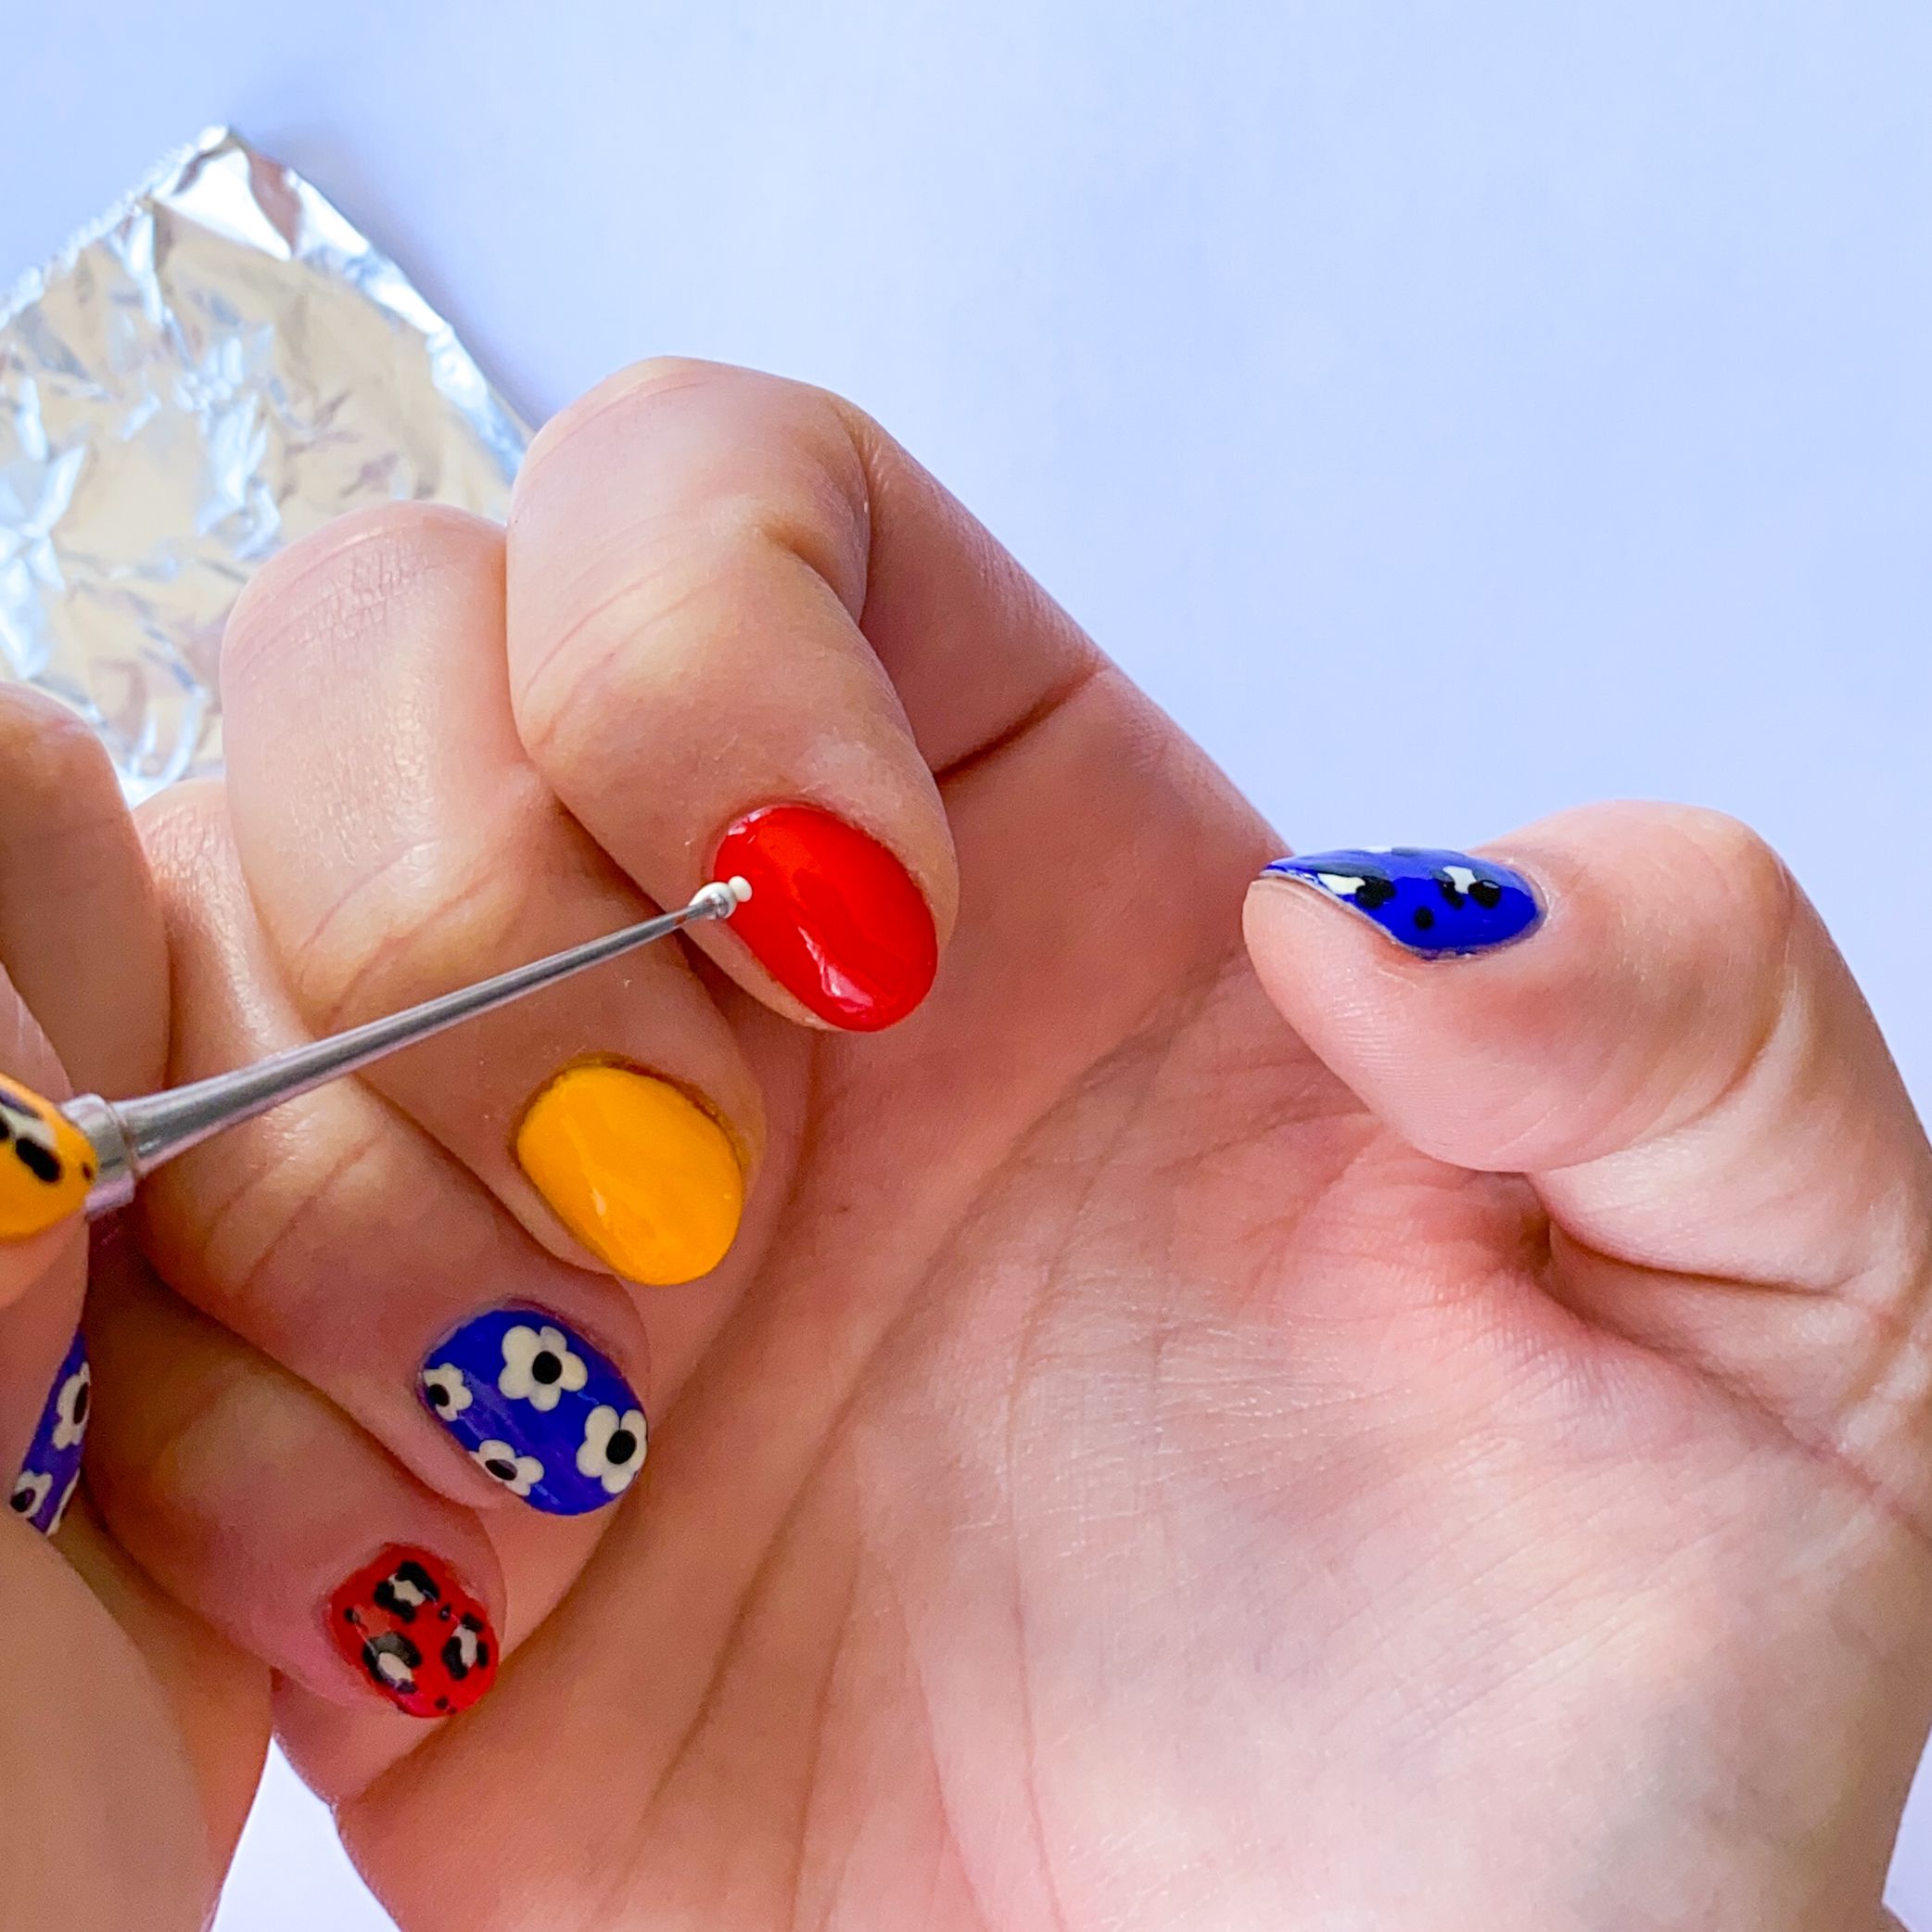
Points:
[(29, 1492), (539, 1367), (517, 1387), (612, 1448), (517, 1473), (445, 1390), (71, 1407), (53, 1459), (67, 1496)]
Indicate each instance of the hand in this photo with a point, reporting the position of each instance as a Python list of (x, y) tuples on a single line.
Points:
[(129, 1737), (1314, 1435)]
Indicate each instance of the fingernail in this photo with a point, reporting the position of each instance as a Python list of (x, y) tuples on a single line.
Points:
[(46, 1165), (1431, 901), (407, 1622), (47, 1479), (636, 1170), (539, 1410), (834, 917)]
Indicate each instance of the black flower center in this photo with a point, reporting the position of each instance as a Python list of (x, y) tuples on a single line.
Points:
[(504, 1472), (439, 1395), (82, 1396), (22, 1501), (621, 1447), (545, 1367)]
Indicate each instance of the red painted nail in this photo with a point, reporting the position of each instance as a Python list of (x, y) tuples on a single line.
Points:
[(834, 917), (408, 1624)]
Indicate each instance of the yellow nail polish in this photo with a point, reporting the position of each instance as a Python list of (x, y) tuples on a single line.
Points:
[(46, 1165), (636, 1171)]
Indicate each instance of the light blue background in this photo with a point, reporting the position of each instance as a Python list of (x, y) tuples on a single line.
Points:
[(1451, 411)]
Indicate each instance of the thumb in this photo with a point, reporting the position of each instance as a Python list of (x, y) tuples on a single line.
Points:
[(1635, 1006)]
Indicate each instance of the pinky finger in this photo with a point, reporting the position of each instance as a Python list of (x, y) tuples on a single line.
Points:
[(266, 1511)]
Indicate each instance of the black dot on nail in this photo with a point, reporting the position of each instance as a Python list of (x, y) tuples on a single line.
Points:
[(81, 1402), (502, 1471), (439, 1396), (621, 1447), (23, 1503), (37, 1160), (546, 1367), (1486, 891), (1424, 919)]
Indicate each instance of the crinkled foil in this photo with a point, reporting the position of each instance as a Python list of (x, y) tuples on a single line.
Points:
[(217, 367)]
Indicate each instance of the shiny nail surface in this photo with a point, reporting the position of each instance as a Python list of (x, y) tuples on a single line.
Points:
[(538, 1409), (47, 1479), (1427, 899), (46, 1165), (410, 1626), (834, 917), (636, 1170)]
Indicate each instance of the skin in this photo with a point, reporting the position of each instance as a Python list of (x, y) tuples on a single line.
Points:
[(1213, 1421), (130, 1737)]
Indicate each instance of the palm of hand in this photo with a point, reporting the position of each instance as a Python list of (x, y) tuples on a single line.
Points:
[(1136, 1489)]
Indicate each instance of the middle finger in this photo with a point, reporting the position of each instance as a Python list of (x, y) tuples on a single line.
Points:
[(398, 842)]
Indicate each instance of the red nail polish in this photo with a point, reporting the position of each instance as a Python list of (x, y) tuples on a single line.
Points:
[(407, 1623), (834, 917)]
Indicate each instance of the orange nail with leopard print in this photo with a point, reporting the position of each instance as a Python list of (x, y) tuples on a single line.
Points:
[(46, 1165)]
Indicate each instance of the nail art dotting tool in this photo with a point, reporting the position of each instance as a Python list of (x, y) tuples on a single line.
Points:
[(131, 1139)]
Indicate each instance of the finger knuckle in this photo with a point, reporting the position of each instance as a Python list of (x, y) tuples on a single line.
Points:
[(343, 583), (414, 927)]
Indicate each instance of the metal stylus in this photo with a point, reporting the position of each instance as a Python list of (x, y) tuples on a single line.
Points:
[(131, 1139)]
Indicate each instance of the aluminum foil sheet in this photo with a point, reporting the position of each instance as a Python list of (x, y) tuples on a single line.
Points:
[(218, 365)]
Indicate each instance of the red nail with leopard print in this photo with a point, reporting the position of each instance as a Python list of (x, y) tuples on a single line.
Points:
[(409, 1625)]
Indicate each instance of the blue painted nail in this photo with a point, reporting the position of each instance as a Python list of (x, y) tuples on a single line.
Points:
[(538, 1408), (1431, 901), (45, 1484)]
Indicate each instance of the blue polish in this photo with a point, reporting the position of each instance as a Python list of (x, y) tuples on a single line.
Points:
[(53, 1459), (1411, 893), (552, 1436)]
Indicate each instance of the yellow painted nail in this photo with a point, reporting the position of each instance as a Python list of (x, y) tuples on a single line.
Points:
[(46, 1165), (636, 1170)]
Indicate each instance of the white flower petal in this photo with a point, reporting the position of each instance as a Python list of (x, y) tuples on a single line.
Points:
[(600, 1425), (526, 1470), (524, 1347), (447, 1381), (72, 1407)]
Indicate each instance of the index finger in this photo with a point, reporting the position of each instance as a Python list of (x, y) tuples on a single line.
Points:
[(744, 631)]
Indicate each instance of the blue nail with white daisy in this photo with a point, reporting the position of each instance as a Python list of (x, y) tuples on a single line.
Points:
[(538, 1409), (1429, 900), (52, 1470)]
